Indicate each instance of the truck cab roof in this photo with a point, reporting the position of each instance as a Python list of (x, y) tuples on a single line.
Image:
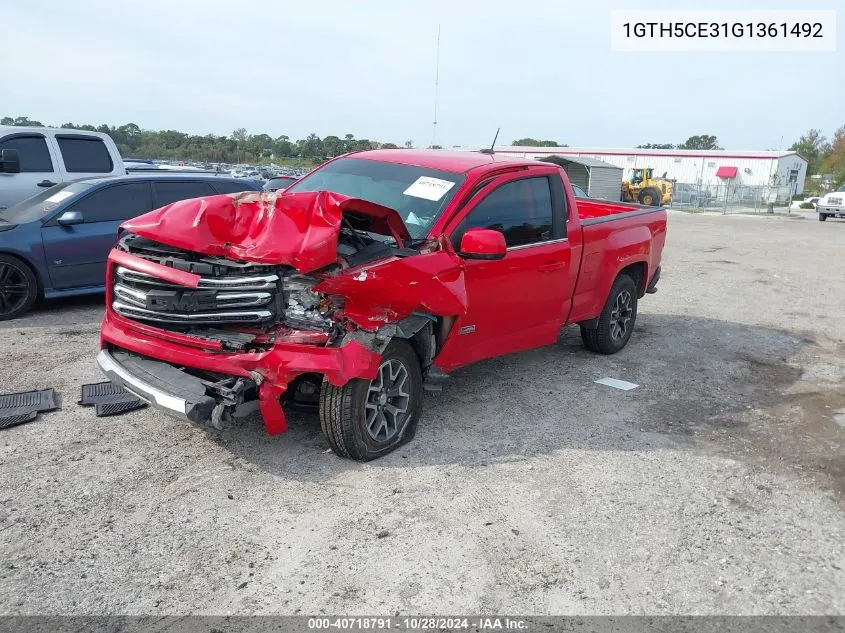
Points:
[(458, 162)]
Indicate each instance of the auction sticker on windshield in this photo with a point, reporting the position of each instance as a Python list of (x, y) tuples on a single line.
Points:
[(429, 188), (58, 197)]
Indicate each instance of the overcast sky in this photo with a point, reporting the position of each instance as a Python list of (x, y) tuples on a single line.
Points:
[(539, 68)]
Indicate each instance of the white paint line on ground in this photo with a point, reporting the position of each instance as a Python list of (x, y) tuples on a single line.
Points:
[(624, 385)]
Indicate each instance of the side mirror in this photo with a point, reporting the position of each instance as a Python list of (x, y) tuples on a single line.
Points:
[(483, 244), (10, 161), (69, 218)]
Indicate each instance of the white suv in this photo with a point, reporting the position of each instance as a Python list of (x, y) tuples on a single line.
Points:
[(832, 205)]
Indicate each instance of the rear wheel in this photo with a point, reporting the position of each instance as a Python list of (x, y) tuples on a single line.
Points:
[(616, 321), (649, 197), (365, 419), (18, 287)]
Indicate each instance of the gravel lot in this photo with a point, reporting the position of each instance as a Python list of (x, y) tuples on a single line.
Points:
[(717, 486)]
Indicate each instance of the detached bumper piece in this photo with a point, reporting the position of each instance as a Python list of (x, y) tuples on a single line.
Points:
[(108, 398), (19, 408), (173, 390)]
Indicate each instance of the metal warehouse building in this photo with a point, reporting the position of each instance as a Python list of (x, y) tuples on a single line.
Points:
[(709, 168), (598, 178)]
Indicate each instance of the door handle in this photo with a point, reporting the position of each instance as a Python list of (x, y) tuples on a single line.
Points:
[(46, 183), (550, 266)]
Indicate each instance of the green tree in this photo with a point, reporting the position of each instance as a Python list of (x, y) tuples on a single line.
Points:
[(814, 147), (239, 146), (20, 121), (834, 159), (388, 146), (702, 141), (349, 142), (333, 146), (311, 146), (283, 147), (409, 144), (533, 142)]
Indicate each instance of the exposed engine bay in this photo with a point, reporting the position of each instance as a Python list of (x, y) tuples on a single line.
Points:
[(241, 305)]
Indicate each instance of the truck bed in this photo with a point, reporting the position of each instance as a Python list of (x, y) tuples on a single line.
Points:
[(591, 210)]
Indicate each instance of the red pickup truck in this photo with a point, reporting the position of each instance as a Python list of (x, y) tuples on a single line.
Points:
[(369, 280)]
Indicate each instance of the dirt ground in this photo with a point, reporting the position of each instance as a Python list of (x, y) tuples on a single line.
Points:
[(716, 486)]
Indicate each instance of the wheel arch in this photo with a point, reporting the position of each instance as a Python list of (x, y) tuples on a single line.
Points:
[(638, 271), (32, 267)]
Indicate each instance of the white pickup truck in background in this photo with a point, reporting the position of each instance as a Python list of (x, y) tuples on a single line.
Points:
[(832, 205), (34, 158)]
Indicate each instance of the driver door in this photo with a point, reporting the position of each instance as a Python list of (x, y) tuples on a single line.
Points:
[(520, 301), (76, 255)]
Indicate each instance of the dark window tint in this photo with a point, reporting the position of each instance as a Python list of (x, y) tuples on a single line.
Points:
[(35, 157), (167, 192), (118, 202), (85, 155), (522, 210), (232, 186), (279, 183)]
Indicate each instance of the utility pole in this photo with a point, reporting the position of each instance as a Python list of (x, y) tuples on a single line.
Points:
[(436, 87)]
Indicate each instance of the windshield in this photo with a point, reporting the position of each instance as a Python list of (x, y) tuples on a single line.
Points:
[(841, 189), (41, 204), (418, 194)]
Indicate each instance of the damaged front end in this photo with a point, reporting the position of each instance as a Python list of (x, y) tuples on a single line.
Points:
[(216, 305)]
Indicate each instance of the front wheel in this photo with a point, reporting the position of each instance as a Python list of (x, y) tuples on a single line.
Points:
[(822, 217), (365, 419), (649, 197), (617, 319), (18, 288)]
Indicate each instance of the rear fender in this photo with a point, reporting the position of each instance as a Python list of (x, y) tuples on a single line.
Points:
[(622, 248)]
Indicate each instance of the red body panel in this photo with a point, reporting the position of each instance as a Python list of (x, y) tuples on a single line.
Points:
[(142, 265), (277, 367), (248, 226), (495, 307)]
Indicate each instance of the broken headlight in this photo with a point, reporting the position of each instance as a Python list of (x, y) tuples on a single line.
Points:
[(304, 308)]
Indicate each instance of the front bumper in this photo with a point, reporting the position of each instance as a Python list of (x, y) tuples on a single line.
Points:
[(838, 212), (271, 370), (183, 406)]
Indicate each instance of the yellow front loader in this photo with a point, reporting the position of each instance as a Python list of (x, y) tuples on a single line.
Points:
[(646, 189)]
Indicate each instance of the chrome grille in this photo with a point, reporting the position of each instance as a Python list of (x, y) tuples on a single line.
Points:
[(247, 299), (253, 282)]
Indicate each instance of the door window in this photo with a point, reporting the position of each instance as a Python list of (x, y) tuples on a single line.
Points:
[(168, 192), (231, 186), (35, 156), (84, 155), (521, 210), (115, 203)]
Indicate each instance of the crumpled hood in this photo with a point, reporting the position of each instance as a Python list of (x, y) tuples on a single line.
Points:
[(294, 229)]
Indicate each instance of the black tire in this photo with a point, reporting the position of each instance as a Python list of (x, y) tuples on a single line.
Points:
[(611, 334), (822, 217), (344, 411), (18, 287), (655, 197)]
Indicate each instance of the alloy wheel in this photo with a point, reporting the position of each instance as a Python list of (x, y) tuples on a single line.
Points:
[(621, 315), (14, 288), (388, 401)]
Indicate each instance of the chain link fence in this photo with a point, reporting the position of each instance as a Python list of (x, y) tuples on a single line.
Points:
[(731, 198)]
